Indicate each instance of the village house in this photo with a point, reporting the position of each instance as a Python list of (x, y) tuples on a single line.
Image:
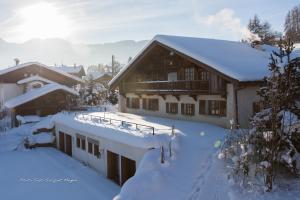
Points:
[(76, 70), (34, 89), (206, 80)]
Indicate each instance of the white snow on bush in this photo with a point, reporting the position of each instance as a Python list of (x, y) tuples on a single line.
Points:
[(28, 118)]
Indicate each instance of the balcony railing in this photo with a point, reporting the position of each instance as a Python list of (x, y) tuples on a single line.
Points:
[(197, 86)]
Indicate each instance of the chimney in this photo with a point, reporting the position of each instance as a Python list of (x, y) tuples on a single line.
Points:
[(17, 61)]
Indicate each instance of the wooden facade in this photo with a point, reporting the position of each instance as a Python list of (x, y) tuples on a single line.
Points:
[(164, 71), (48, 104), (36, 69)]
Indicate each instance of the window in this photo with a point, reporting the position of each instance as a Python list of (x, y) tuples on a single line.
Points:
[(150, 104), (202, 107), (189, 73), (133, 103), (90, 147), (188, 109), (96, 150), (256, 107), (203, 76), (83, 144), (172, 76), (217, 107), (80, 141), (36, 85), (153, 104), (172, 108), (93, 147)]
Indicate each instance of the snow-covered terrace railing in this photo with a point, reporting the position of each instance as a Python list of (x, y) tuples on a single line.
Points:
[(99, 119)]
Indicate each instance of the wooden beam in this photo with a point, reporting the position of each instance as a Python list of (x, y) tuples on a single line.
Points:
[(194, 97), (177, 97), (163, 96)]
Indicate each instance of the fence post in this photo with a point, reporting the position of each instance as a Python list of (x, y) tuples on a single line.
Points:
[(170, 148), (162, 155), (173, 131)]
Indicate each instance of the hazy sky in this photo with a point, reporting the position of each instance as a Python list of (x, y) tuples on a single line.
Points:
[(98, 21)]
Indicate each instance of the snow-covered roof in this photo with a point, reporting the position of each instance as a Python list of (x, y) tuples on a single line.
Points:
[(71, 69), (99, 75), (36, 93), (55, 69), (235, 59), (34, 78)]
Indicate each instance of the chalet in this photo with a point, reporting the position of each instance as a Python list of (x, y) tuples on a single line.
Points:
[(35, 89), (76, 70), (206, 80), (103, 78)]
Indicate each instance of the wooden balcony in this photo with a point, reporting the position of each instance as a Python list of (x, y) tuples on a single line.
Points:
[(174, 87)]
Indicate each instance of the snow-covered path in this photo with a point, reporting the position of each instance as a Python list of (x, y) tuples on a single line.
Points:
[(40, 174)]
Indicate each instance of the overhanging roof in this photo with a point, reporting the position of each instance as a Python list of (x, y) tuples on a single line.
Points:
[(53, 69), (36, 93), (34, 78), (234, 59)]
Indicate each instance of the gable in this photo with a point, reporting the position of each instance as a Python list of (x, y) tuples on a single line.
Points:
[(234, 60), (14, 74)]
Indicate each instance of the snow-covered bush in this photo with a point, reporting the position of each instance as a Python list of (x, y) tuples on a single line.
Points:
[(270, 147), (113, 97)]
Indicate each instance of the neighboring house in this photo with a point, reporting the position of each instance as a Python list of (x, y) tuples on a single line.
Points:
[(198, 79), (35, 89), (103, 78), (76, 70)]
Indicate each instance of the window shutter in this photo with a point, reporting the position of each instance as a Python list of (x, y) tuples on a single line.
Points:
[(145, 104), (167, 108), (128, 102), (223, 108), (193, 109), (202, 107)]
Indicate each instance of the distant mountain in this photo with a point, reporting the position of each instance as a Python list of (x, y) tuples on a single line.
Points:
[(58, 51)]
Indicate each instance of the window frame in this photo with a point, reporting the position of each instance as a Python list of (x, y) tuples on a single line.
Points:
[(188, 109), (171, 107)]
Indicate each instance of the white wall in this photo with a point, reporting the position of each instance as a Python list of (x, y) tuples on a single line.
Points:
[(221, 121), (9, 91), (245, 99), (100, 164)]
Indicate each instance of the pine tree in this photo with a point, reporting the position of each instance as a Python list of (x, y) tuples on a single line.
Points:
[(262, 31), (292, 24), (271, 143)]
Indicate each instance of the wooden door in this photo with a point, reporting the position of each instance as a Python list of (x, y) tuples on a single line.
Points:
[(62, 141), (113, 167), (128, 168), (68, 144)]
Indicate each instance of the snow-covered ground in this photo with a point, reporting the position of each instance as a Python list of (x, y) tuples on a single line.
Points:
[(193, 172), (46, 173)]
